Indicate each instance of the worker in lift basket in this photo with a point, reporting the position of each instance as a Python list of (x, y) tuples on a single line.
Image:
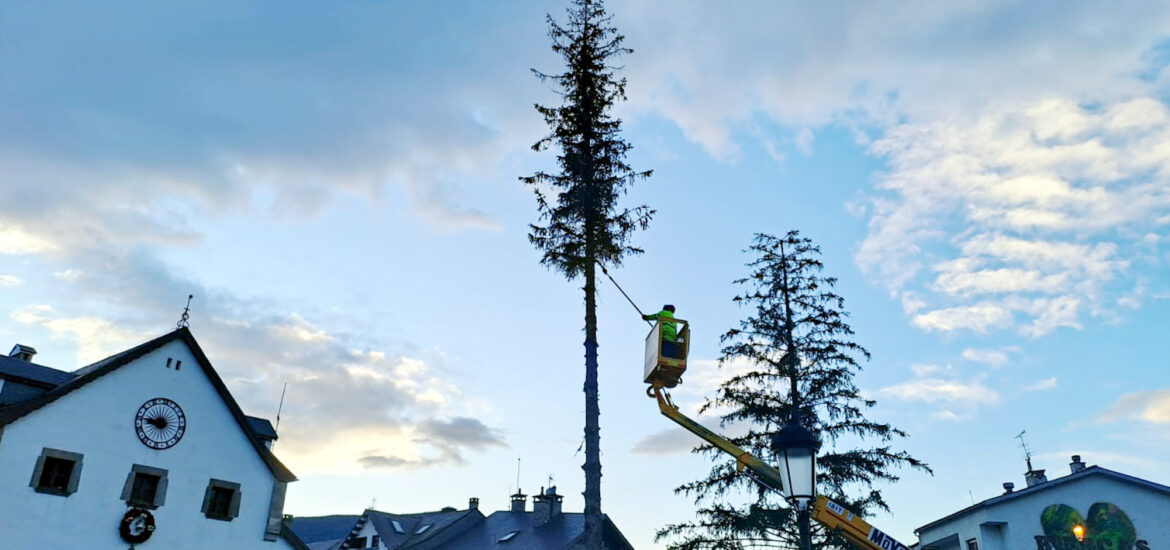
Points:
[(669, 331)]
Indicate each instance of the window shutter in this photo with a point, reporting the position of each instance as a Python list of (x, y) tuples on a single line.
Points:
[(36, 477), (126, 488), (207, 498), (234, 511), (74, 477), (160, 494)]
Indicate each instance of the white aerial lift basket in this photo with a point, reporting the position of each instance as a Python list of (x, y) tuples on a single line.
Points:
[(665, 370)]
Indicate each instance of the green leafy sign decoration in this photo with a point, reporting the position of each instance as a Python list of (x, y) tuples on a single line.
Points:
[(1107, 527)]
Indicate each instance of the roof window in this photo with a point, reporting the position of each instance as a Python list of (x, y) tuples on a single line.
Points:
[(511, 535), (397, 526), (423, 529)]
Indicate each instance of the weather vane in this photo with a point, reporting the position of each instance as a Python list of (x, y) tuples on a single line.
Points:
[(186, 313)]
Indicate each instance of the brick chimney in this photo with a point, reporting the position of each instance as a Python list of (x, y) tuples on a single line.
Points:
[(546, 506), (1076, 465), (473, 503), (518, 501)]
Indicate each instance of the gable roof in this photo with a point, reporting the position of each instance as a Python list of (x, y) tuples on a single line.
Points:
[(85, 375), (1087, 472)]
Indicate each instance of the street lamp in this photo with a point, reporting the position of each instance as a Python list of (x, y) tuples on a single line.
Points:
[(797, 447), (1079, 532)]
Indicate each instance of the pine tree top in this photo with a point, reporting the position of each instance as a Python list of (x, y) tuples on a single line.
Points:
[(581, 221)]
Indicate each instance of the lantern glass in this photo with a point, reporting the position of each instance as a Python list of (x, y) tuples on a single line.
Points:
[(799, 474)]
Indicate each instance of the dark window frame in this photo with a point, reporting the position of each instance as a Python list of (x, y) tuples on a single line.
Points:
[(972, 544), (233, 508), (160, 490), (71, 483)]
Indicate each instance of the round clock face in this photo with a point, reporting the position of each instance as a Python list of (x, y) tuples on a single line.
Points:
[(160, 423)]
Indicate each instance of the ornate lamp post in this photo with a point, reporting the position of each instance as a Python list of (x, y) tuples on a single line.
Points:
[(797, 449)]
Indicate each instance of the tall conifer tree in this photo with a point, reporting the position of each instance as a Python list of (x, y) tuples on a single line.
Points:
[(581, 224), (795, 342)]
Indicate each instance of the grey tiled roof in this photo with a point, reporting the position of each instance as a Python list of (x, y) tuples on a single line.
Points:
[(558, 534), (457, 530), (314, 530), (32, 372)]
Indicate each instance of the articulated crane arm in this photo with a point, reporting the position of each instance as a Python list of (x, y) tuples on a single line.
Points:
[(828, 513)]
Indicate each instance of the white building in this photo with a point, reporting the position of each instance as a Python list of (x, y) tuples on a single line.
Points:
[(1092, 508), (145, 449)]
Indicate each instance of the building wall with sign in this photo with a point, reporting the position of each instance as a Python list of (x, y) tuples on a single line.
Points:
[(95, 424), (1115, 512)]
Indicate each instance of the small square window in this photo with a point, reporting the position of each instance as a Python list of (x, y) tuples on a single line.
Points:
[(972, 544), (145, 487), (57, 472), (375, 542), (221, 500)]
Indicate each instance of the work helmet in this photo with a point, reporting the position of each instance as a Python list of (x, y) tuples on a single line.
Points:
[(668, 307)]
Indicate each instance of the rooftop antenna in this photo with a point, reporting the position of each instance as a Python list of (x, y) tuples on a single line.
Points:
[(280, 407), (186, 313), (971, 495), (1027, 451), (517, 475)]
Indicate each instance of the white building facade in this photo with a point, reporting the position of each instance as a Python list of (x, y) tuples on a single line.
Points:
[(1092, 508), (145, 449)]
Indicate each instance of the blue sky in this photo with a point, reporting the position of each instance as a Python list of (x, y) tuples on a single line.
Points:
[(337, 186)]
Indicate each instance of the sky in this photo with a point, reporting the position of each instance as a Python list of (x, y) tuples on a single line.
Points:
[(338, 188)]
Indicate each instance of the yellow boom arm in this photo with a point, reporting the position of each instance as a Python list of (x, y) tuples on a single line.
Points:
[(828, 513)]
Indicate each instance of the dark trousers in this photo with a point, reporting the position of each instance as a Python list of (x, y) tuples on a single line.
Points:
[(671, 350)]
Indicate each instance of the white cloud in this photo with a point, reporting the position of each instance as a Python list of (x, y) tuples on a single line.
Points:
[(666, 442), (937, 390), (9, 280), (1042, 385), (16, 241), (979, 318), (994, 358), (1028, 213), (1152, 406), (96, 338)]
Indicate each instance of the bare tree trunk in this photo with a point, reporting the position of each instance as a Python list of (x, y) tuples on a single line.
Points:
[(592, 466)]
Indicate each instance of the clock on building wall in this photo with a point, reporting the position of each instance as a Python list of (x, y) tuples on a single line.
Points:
[(160, 423)]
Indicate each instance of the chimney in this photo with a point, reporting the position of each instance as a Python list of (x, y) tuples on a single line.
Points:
[(1008, 487), (518, 501), (22, 352), (546, 506), (473, 503), (1035, 477), (1076, 465)]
